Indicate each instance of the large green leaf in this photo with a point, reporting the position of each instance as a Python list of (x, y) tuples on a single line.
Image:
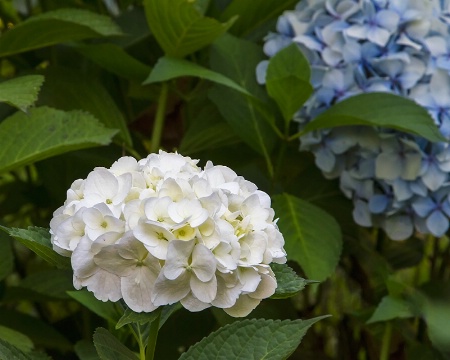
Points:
[(106, 310), (114, 59), (41, 333), (6, 256), (179, 28), (437, 317), (240, 111), (15, 338), (391, 308), (251, 340), (47, 132), (53, 283), (287, 80), (379, 109), (10, 352), (66, 89), (168, 68), (22, 91), (38, 240), (85, 350), (55, 27), (288, 282), (206, 131), (254, 13), (313, 237), (109, 348)]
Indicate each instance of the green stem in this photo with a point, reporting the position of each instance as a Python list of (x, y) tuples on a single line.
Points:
[(386, 342), (152, 337), (141, 345), (159, 120)]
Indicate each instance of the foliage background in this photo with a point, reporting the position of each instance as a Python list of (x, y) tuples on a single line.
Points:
[(84, 83)]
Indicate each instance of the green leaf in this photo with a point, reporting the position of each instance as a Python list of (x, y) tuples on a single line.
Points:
[(66, 89), (288, 282), (15, 338), (41, 333), (106, 310), (114, 59), (6, 256), (179, 28), (391, 308), (168, 68), (52, 283), (379, 109), (287, 80), (207, 131), (437, 317), (251, 340), (130, 316), (22, 91), (55, 27), (38, 240), (109, 348), (243, 116), (85, 350), (10, 352), (253, 14), (47, 132), (313, 237)]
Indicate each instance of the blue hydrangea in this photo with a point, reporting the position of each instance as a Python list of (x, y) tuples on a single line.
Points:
[(397, 181)]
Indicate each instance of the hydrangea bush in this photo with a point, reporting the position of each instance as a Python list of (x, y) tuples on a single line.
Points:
[(162, 230), (397, 181), (154, 257)]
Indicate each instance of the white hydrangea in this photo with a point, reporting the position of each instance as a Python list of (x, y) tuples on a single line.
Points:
[(161, 230)]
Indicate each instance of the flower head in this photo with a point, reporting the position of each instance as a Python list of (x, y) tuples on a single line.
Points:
[(163, 230), (357, 46)]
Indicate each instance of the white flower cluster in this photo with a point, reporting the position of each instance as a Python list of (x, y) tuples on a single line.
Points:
[(163, 230)]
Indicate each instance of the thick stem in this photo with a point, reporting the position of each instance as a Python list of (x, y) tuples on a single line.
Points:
[(159, 120), (152, 337), (386, 342)]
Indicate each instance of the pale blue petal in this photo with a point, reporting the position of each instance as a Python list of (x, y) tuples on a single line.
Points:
[(437, 223), (399, 227), (434, 177), (378, 203), (361, 213), (423, 206)]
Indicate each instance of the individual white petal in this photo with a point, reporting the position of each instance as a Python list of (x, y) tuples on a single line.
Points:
[(266, 287), (228, 290), (167, 291), (243, 306), (104, 285), (108, 259), (191, 303), (137, 289), (203, 263), (249, 279), (178, 253), (204, 291)]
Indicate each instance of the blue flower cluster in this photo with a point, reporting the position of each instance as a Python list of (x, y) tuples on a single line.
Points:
[(398, 182)]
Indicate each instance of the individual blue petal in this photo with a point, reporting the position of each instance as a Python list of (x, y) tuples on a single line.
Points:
[(399, 227), (325, 159), (437, 223), (261, 70), (434, 177), (387, 167), (361, 213), (402, 190), (378, 203), (423, 206)]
